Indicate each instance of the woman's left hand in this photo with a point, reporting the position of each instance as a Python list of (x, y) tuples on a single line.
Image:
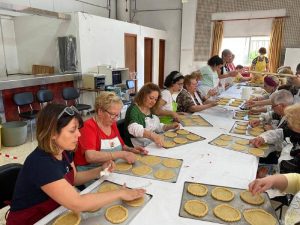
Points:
[(140, 150), (110, 165)]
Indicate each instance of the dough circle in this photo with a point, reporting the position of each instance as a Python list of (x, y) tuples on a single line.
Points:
[(258, 217), (141, 170), (247, 197), (171, 163), (164, 174), (69, 218), (222, 194), (197, 189), (196, 208), (227, 213), (116, 214)]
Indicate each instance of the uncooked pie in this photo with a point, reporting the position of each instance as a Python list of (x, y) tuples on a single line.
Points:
[(237, 131), (151, 160), (169, 144), (136, 202), (257, 152), (226, 138), (196, 208), (222, 194), (197, 189), (116, 214), (69, 218), (227, 213), (242, 142), (108, 187), (170, 134), (164, 174), (258, 217), (123, 166), (193, 137), (171, 163), (180, 140), (221, 143), (182, 131), (141, 170), (238, 147), (248, 197)]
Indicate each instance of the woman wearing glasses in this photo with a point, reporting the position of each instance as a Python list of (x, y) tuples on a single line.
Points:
[(100, 139), (47, 177), (167, 107), (141, 124)]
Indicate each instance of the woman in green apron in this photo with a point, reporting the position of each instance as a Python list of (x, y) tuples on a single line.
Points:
[(167, 107)]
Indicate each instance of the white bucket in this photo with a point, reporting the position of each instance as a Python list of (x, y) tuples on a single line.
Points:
[(246, 92)]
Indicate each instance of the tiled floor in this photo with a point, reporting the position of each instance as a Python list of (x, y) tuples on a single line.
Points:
[(22, 151)]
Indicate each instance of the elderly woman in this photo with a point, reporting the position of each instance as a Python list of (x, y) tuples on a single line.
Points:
[(100, 139), (141, 124), (47, 177), (190, 100), (167, 107)]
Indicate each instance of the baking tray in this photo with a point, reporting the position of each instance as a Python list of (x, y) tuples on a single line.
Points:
[(248, 130), (231, 102), (154, 169), (243, 115), (98, 217), (194, 121), (212, 203), (181, 136), (234, 138)]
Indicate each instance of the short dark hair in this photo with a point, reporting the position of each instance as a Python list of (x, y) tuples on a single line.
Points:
[(239, 67), (262, 50), (215, 61), (172, 78)]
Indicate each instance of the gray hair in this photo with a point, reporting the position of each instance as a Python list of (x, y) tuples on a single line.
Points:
[(284, 97)]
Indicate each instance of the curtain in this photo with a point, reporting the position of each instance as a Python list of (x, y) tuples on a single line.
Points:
[(217, 37), (275, 44)]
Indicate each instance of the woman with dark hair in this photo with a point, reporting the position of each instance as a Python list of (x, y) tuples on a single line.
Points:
[(47, 177), (261, 64), (167, 107), (141, 125)]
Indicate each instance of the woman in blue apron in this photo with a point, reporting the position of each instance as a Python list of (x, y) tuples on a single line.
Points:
[(47, 177), (167, 107)]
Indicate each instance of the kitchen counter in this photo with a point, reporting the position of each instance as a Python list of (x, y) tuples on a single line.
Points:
[(22, 80)]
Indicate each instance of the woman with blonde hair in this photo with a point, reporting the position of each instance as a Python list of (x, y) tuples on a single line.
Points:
[(47, 177), (100, 138), (141, 124)]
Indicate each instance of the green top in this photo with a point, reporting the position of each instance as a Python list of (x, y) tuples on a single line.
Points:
[(209, 77), (169, 119)]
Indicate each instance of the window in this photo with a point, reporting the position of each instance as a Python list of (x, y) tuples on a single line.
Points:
[(245, 49)]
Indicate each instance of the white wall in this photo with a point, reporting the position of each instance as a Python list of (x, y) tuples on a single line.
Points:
[(102, 42), (163, 15), (36, 39)]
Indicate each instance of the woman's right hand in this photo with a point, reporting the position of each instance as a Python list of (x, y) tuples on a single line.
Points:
[(254, 123), (258, 141), (261, 185), (131, 194), (157, 139), (129, 157)]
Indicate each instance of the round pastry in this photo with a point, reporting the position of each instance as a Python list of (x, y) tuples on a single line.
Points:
[(123, 166), (195, 117), (239, 117), (221, 143), (197, 189), (227, 213), (137, 157), (202, 123), (171, 163), (238, 147), (136, 202), (180, 140), (170, 134), (222, 103), (193, 137), (141, 170), (196, 208), (69, 218), (116, 214), (107, 187), (237, 131), (242, 142), (242, 123), (257, 152), (258, 217), (248, 197), (222, 194), (164, 174), (169, 144), (226, 138), (151, 160), (254, 133), (182, 131)]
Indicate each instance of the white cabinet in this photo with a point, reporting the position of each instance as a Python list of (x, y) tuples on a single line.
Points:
[(292, 58)]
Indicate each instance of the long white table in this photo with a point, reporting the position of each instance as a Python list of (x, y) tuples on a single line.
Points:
[(202, 163)]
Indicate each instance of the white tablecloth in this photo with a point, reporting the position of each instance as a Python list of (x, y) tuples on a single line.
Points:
[(202, 163)]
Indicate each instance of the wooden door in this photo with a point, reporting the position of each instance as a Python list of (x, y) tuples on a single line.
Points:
[(162, 44), (130, 48), (148, 59)]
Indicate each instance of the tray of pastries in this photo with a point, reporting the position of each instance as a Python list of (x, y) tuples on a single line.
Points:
[(151, 166), (193, 121), (233, 102), (241, 145), (244, 128), (118, 212), (244, 115), (225, 205), (180, 137)]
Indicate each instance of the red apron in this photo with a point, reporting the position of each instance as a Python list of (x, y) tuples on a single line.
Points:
[(35, 213)]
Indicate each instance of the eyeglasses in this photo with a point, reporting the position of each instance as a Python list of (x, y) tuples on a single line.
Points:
[(274, 106), (71, 110), (111, 115)]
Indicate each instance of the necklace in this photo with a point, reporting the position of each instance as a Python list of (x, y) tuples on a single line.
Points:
[(105, 129)]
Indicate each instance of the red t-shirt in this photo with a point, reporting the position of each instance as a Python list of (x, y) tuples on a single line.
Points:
[(91, 136)]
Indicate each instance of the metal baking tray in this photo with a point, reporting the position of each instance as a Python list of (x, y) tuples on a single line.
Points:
[(182, 136), (154, 169), (234, 138), (98, 217), (230, 101), (193, 119), (247, 131), (244, 115), (212, 203)]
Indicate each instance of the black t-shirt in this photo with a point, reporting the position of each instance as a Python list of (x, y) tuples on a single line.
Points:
[(294, 137), (40, 168)]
